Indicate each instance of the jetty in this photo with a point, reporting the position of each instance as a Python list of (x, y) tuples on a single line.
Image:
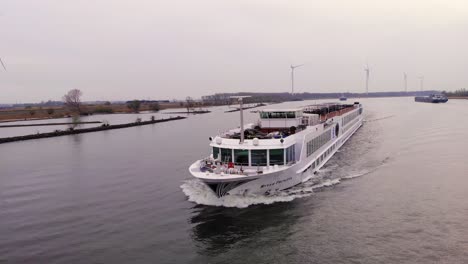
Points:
[(245, 108), (197, 112), (53, 124), (72, 131)]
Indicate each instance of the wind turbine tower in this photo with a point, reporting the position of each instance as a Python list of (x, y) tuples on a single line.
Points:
[(3, 64), (421, 83), (367, 70), (292, 76), (406, 81)]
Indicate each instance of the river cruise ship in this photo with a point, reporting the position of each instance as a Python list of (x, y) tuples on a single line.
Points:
[(284, 148)]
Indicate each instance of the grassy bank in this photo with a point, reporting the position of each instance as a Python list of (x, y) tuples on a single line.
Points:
[(458, 97), (40, 113)]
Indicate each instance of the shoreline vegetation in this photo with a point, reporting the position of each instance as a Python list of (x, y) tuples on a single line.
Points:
[(457, 97), (72, 131), (45, 112), (72, 104)]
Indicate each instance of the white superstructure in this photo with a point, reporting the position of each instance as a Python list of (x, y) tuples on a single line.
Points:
[(284, 148)]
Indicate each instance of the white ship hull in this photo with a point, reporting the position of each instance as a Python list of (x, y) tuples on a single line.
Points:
[(278, 177)]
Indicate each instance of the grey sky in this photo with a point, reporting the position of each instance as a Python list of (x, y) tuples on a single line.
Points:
[(114, 49)]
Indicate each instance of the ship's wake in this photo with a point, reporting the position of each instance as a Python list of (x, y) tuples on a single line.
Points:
[(327, 177), (199, 193)]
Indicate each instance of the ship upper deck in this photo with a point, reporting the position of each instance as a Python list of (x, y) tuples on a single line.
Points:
[(266, 145), (282, 123)]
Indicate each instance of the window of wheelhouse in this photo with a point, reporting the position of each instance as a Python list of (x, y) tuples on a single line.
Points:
[(258, 157), (241, 157), (215, 152), (290, 154), (226, 155), (276, 156)]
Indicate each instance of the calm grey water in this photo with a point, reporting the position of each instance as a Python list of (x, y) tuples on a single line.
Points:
[(397, 192)]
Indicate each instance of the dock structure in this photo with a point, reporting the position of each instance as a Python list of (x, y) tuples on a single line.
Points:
[(52, 124)]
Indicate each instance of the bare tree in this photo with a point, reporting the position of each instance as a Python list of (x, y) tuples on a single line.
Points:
[(155, 107), (134, 106), (189, 103), (73, 100)]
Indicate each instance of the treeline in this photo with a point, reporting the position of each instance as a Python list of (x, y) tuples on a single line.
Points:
[(458, 93), (225, 98)]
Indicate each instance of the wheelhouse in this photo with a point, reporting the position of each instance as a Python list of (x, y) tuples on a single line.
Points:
[(275, 119), (255, 157)]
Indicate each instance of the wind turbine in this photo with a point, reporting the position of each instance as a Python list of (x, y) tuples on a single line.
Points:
[(421, 82), (1, 62), (367, 70), (292, 76), (406, 81)]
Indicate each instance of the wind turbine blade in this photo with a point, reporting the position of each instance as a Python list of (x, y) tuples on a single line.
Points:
[(3, 64)]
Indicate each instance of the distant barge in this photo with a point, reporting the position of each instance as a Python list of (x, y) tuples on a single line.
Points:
[(433, 98)]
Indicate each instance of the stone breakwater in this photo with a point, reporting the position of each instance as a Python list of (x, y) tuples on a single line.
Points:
[(58, 133)]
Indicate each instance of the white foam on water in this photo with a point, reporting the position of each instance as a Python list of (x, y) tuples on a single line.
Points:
[(199, 193), (354, 176), (363, 173), (326, 183), (328, 168)]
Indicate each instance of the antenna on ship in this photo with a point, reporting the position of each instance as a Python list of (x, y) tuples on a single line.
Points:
[(292, 76), (240, 99), (367, 70)]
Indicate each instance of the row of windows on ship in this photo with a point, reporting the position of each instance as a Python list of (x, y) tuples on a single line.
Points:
[(323, 156), (350, 117), (255, 157), (318, 142)]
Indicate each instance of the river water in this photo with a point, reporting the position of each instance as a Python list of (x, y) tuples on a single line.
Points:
[(397, 192)]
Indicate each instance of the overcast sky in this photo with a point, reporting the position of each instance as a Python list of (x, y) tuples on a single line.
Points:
[(115, 49)]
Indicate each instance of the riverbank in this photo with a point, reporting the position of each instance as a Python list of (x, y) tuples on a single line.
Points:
[(51, 112), (72, 131), (458, 97)]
